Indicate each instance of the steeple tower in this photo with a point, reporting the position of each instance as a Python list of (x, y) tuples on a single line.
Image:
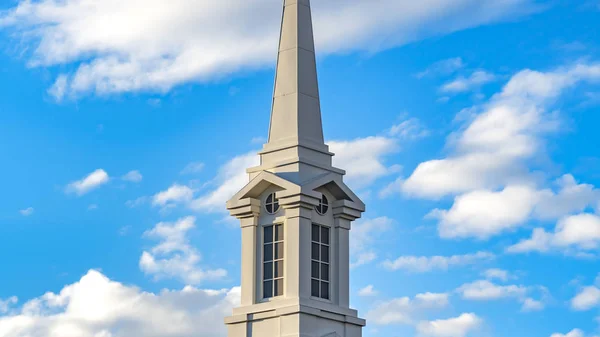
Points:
[(296, 130), (296, 212), (296, 113)]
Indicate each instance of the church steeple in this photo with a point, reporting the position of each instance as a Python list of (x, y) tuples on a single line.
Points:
[(296, 110), (296, 149), (296, 212)]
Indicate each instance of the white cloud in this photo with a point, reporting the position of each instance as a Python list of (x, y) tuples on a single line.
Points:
[(27, 211), (409, 129), (174, 195), (192, 168), (174, 257), (573, 234), (443, 67), (464, 84), (231, 178), (530, 305), (362, 235), (405, 310), (153, 45), (6, 304), (485, 290), (422, 264), (136, 202), (133, 176), (98, 307), (482, 214), (92, 207), (367, 291), (88, 183), (493, 148), (455, 327), (363, 158), (586, 299), (572, 197), (498, 274), (574, 333)]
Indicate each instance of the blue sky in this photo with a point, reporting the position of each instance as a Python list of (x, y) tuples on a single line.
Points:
[(469, 129)]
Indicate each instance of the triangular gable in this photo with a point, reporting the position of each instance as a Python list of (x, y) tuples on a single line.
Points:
[(259, 184), (333, 182)]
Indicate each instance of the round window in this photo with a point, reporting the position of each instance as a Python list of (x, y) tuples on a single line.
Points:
[(272, 204), (323, 205)]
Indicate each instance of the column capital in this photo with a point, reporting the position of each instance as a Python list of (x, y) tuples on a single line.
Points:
[(246, 209), (344, 209)]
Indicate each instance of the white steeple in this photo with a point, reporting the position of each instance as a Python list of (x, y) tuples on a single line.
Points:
[(296, 130), (296, 112), (296, 212)]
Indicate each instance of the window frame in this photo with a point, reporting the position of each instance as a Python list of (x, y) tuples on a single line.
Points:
[(321, 262), (275, 202), (261, 276), (319, 208)]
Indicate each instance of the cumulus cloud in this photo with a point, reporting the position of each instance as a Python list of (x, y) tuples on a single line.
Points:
[(573, 333), (6, 304), (454, 327), (586, 299), (485, 290), (363, 233), (405, 310), (483, 213), (494, 147), (422, 264), (173, 195), (363, 158), (174, 256), (576, 234), (153, 45), (367, 291), (91, 182), (95, 306)]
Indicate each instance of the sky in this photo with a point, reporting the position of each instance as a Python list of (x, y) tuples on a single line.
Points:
[(469, 128)]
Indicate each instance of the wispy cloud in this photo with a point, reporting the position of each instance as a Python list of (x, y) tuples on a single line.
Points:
[(193, 168), (465, 84), (133, 176), (422, 264), (27, 211), (443, 68)]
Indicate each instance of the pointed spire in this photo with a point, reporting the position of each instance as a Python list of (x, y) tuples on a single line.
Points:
[(296, 111)]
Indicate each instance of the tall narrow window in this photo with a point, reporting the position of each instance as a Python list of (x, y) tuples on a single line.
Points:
[(273, 261), (320, 262)]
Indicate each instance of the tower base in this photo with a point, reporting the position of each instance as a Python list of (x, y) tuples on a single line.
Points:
[(295, 321)]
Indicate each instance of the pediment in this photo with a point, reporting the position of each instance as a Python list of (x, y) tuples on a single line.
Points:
[(335, 185), (259, 184)]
